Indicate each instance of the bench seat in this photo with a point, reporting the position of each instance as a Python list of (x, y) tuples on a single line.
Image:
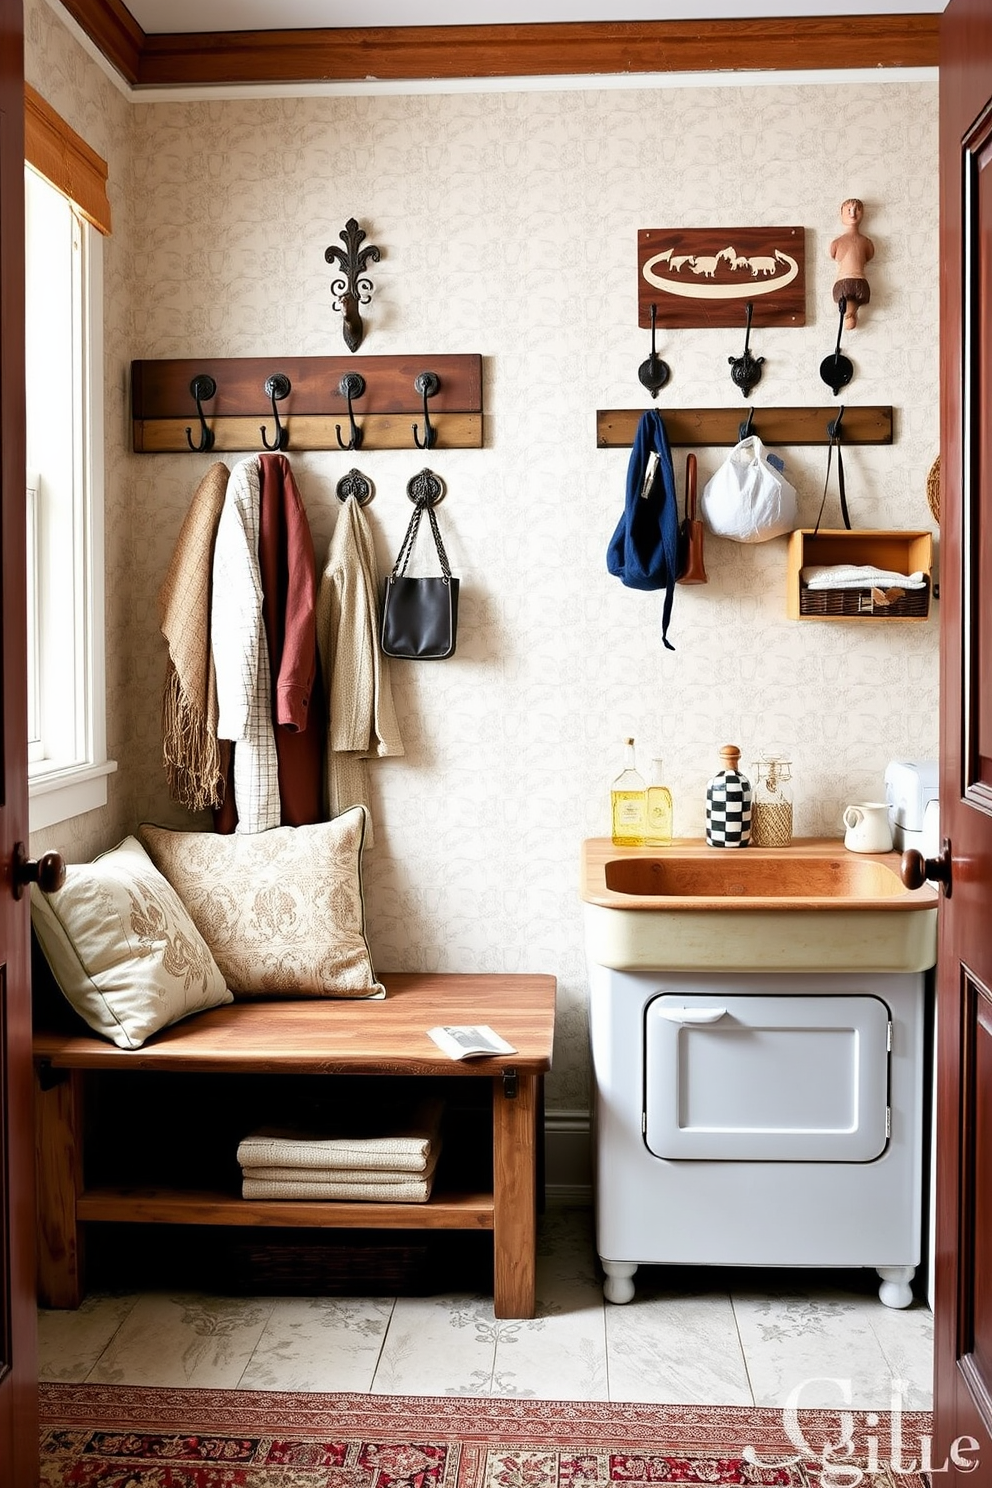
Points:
[(364, 1037)]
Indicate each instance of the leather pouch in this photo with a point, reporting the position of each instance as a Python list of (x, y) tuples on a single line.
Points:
[(691, 570)]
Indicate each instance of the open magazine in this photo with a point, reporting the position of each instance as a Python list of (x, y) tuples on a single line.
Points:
[(465, 1040)]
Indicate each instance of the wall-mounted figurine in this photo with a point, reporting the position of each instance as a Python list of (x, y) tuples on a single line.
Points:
[(851, 251)]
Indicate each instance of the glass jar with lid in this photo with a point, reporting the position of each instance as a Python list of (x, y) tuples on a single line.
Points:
[(771, 809)]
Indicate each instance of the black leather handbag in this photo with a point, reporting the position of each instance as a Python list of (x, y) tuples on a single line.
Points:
[(419, 616)]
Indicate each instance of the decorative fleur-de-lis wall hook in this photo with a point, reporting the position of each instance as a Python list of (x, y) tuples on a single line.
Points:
[(354, 288)]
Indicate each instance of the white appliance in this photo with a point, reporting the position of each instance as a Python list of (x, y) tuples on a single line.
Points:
[(912, 796), (758, 1119)]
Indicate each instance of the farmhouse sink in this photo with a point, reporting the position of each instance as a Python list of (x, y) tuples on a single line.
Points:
[(812, 906)]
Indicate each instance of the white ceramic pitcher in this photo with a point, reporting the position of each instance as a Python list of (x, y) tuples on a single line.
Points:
[(868, 828)]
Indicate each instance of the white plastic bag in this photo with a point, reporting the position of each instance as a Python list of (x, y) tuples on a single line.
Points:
[(747, 499)]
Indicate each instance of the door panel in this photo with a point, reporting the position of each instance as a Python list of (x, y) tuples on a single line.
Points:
[(18, 1370), (978, 1063), (963, 1300), (766, 1079)]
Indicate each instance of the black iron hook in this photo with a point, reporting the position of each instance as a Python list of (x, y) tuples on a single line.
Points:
[(745, 370), (427, 383), (202, 389), (425, 489), (653, 373), (277, 387), (833, 428), (744, 430), (355, 486), (837, 370), (352, 385)]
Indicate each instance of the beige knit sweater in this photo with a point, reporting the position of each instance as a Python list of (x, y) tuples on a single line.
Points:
[(361, 718)]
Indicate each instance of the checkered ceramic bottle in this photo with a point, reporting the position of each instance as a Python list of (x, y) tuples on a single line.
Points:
[(728, 804)]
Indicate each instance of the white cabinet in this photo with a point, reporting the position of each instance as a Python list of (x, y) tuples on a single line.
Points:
[(765, 1119)]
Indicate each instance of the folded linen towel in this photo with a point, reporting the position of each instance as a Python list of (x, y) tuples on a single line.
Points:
[(858, 576), (383, 1140), (374, 1177), (411, 1189)]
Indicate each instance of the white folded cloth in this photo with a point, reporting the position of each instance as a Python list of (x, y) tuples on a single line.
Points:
[(371, 1175), (406, 1188), (383, 1140), (858, 576)]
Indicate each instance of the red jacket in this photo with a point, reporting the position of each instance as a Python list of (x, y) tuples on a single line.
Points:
[(288, 568)]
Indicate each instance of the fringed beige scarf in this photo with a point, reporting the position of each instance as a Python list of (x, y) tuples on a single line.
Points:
[(194, 766)]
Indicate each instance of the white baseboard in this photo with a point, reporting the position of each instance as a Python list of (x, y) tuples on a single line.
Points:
[(567, 1157)]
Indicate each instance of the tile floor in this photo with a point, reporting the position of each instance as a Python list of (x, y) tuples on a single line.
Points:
[(738, 1337)]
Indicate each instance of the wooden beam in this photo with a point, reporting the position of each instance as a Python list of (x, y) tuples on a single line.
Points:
[(547, 49), (348, 54), (112, 28)]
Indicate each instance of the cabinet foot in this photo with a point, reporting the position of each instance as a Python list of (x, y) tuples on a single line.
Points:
[(619, 1283), (895, 1290)]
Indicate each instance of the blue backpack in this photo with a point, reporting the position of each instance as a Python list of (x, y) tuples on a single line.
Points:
[(644, 550)]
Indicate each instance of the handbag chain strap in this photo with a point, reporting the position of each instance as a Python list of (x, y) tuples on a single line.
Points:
[(403, 556), (833, 430)]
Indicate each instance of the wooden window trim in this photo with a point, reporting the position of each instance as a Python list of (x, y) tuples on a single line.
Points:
[(65, 159)]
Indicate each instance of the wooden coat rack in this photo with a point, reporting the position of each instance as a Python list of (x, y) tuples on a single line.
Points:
[(314, 413), (702, 427)]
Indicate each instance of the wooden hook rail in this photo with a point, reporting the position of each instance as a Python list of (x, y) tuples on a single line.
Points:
[(389, 408), (702, 427)]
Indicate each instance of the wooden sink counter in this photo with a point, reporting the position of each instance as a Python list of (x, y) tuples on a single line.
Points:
[(812, 906), (813, 872)]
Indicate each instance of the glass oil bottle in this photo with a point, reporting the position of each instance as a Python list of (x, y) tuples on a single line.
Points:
[(658, 831), (628, 800)]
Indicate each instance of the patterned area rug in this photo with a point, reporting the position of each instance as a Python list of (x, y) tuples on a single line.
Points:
[(107, 1436)]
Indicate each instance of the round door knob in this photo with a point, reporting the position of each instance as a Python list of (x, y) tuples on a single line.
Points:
[(48, 871), (915, 870)]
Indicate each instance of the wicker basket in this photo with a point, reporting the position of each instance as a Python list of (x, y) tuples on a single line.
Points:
[(912, 604), (345, 1265), (933, 490)]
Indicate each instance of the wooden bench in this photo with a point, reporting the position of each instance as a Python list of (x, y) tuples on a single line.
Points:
[(387, 1037)]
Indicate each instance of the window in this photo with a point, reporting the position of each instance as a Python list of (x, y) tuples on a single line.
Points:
[(67, 763)]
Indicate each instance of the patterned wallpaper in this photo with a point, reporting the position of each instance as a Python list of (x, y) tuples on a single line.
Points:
[(508, 223)]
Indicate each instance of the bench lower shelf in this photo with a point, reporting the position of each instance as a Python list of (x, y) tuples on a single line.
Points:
[(448, 1211)]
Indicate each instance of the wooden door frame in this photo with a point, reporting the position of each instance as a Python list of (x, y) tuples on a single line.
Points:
[(19, 1386), (965, 116)]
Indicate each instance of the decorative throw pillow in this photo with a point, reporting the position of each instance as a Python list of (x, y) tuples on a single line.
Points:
[(283, 910), (123, 948)]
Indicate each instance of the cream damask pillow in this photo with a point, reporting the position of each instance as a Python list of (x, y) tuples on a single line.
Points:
[(123, 948), (283, 910)]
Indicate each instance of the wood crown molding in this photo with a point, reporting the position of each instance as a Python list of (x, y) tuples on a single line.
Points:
[(113, 30), (550, 49)]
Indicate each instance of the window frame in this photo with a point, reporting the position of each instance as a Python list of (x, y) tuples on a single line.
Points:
[(58, 791)]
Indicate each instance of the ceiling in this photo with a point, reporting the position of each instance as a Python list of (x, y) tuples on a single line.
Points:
[(172, 16)]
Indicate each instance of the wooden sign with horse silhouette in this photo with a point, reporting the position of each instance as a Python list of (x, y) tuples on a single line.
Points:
[(707, 276)]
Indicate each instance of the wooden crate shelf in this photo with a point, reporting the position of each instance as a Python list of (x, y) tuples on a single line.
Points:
[(900, 552)]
